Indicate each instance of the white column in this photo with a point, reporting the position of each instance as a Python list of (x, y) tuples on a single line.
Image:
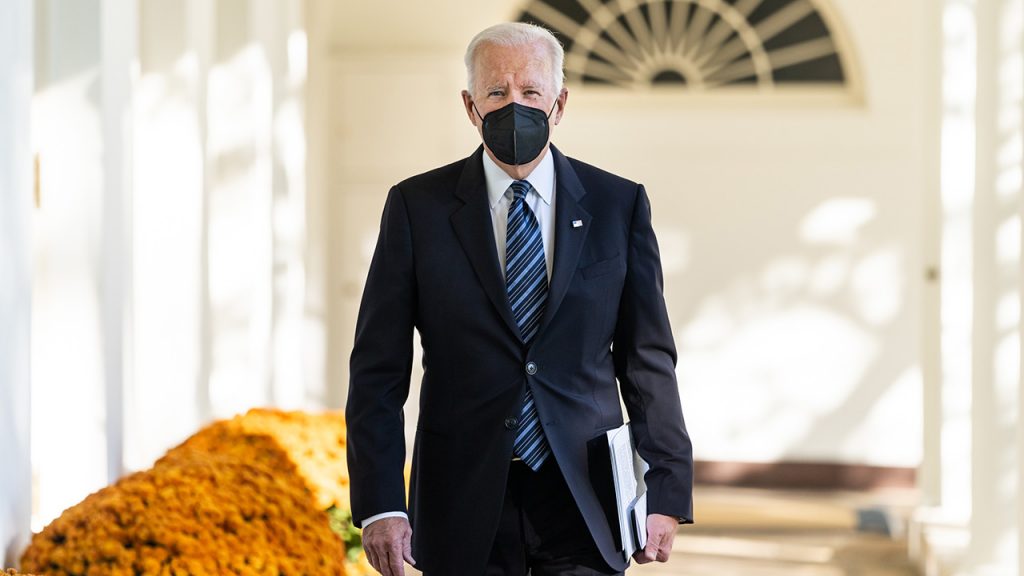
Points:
[(173, 339), (939, 531), (277, 28), (16, 184), (324, 368), (118, 24), (929, 479), (996, 345), (1020, 401), (957, 283), (200, 31), (238, 214), (262, 171), (68, 316)]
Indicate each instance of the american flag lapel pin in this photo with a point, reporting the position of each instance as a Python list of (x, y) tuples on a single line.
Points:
[(577, 223)]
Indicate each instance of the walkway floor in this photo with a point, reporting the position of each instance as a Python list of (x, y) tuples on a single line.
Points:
[(742, 532), (773, 533)]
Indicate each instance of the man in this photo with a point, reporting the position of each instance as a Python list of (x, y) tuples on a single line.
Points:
[(535, 283)]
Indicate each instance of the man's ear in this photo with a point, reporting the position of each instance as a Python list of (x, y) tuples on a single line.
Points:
[(467, 103), (563, 97)]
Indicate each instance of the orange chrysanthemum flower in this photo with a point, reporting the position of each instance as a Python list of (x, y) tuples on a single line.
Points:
[(243, 496)]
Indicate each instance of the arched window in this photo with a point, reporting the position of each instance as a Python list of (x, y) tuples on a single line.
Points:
[(697, 44)]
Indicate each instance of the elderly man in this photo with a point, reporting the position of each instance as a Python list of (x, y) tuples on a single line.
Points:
[(535, 283)]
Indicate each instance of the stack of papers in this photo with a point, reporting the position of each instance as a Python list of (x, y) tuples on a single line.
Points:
[(628, 470)]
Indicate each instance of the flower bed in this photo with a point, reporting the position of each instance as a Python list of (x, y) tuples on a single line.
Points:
[(311, 445), (242, 496)]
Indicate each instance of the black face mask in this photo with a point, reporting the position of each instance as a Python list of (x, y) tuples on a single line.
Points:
[(516, 134)]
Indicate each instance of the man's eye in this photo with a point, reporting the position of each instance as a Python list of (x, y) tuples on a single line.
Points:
[(495, 93)]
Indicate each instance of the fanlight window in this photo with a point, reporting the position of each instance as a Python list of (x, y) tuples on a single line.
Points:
[(696, 44)]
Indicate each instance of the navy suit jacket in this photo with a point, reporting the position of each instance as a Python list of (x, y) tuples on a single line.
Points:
[(605, 329)]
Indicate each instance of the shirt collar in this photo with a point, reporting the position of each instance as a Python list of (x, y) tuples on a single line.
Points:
[(542, 179)]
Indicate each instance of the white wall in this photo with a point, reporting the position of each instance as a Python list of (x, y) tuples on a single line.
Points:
[(15, 289), (791, 228)]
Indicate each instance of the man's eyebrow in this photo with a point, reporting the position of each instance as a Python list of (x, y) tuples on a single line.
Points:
[(532, 85)]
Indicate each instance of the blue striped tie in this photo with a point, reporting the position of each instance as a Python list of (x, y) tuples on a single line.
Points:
[(526, 280)]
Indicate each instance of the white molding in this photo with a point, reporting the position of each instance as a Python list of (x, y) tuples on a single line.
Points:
[(848, 54)]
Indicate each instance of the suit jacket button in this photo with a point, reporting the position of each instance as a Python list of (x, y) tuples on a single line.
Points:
[(511, 422), (531, 368)]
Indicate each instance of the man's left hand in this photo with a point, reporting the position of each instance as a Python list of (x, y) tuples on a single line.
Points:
[(661, 534)]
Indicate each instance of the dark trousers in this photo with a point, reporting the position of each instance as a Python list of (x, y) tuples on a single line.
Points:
[(541, 532)]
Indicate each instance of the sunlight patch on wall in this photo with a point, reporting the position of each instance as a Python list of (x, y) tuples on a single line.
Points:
[(894, 415), (786, 365), (1008, 241), (877, 286), (829, 276), (675, 248), (801, 345), (838, 221)]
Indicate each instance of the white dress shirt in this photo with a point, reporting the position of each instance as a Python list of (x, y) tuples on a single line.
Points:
[(541, 200)]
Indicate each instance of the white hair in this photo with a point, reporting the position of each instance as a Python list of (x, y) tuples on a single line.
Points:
[(516, 34)]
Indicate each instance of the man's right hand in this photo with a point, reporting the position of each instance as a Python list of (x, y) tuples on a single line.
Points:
[(388, 545)]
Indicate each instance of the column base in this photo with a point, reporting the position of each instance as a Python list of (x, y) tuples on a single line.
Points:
[(938, 541)]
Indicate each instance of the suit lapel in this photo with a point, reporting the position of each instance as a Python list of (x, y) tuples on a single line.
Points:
[(472, 224), (572, 223)]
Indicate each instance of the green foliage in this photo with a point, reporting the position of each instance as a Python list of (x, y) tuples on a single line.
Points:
[(341, 523)]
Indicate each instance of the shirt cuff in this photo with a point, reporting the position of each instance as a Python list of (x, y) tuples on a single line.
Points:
[(383, 515)]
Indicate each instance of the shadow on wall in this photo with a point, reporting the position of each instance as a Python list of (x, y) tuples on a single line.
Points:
[(810, 359)]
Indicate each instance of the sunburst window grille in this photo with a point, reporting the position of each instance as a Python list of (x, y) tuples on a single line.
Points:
[(697, 44)]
